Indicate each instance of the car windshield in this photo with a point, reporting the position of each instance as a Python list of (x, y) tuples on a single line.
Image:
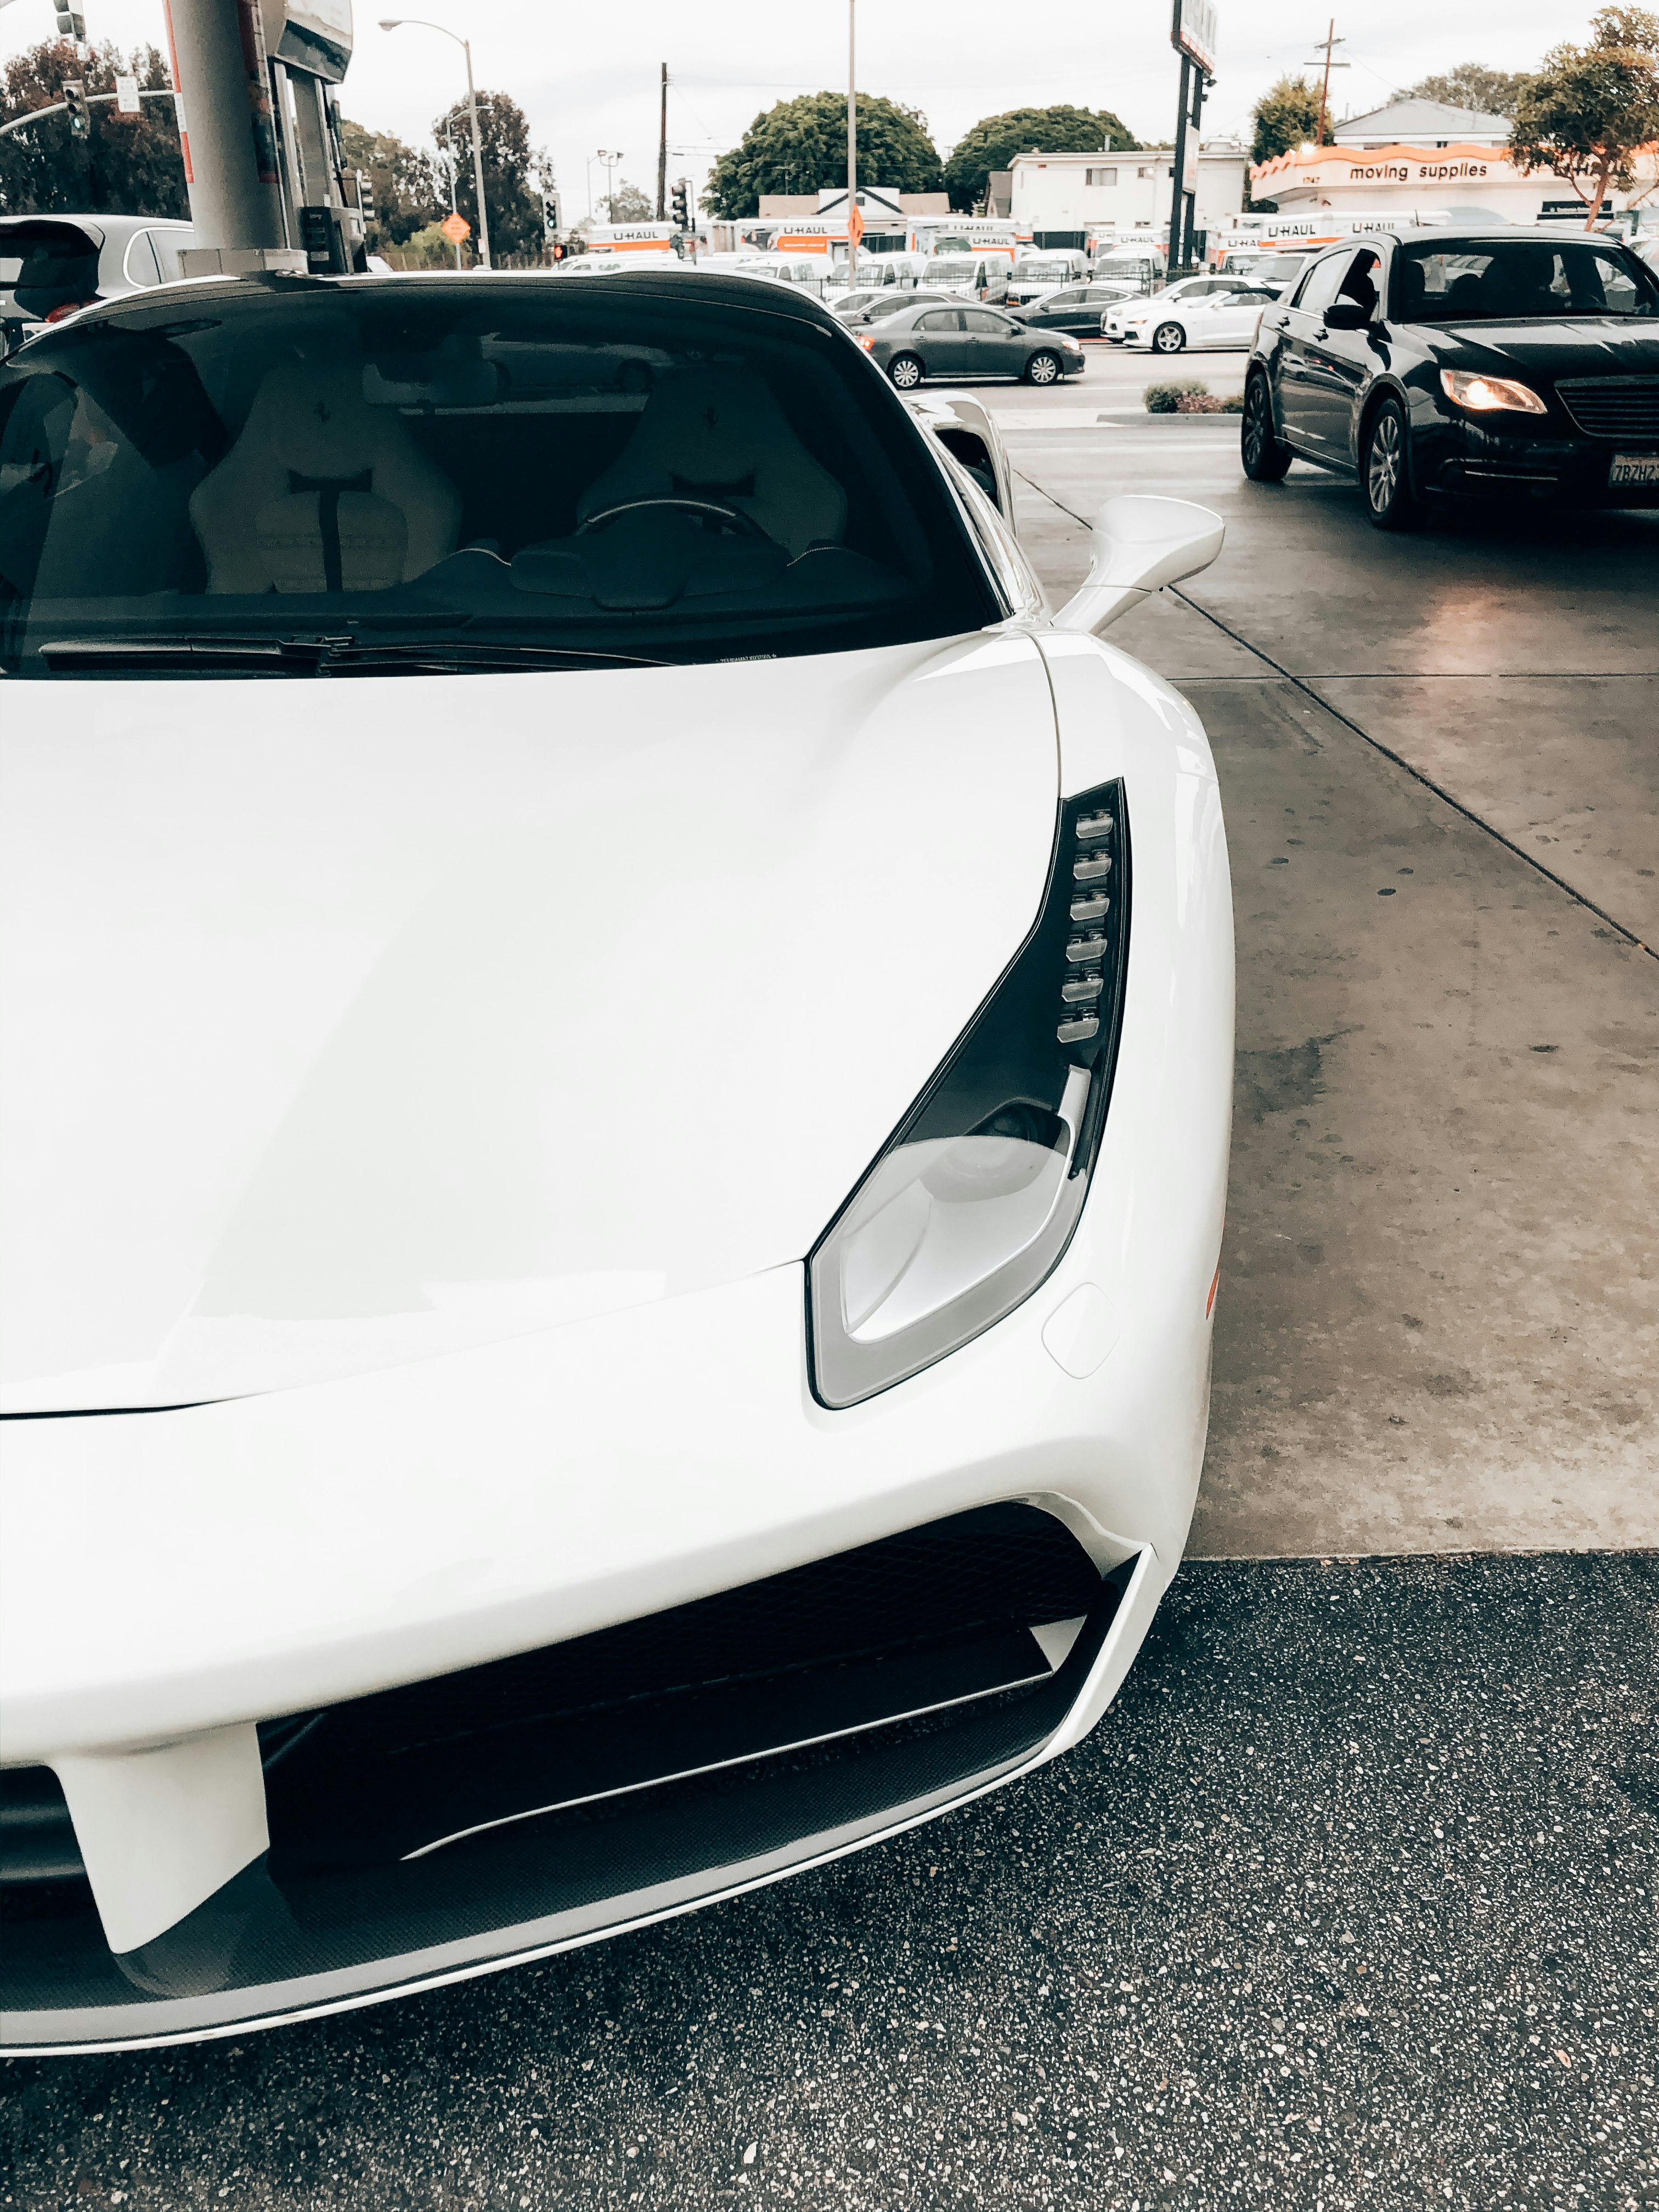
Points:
[(435, 470), (1045, 272), (1519, 279), (952, 272)]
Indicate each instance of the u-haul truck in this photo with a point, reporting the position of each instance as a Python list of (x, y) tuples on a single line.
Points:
[(974, 255), (1313, 230), (634, 239)]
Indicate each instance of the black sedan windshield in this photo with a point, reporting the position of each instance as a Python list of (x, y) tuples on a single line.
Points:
[(1519, 279), (289, 478)]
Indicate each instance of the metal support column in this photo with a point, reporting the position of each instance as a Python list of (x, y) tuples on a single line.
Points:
[(225, 123)]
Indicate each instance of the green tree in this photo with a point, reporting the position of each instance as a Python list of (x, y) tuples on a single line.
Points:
[(1591, 109), (408, 192), (1471, 84), (515, 174), (1287, 116), (800, 146), (125, 165), (628, 204), (427, 248), (993, 143)]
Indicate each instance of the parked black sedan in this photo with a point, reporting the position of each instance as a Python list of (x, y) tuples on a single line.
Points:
[(968, 341), (1508, 363), (1074, 308)]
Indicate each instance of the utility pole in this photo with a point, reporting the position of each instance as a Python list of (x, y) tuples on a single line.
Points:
[(1331, 42), (662, 153)]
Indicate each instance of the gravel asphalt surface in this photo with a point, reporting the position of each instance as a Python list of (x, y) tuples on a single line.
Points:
[(1348, 1901)]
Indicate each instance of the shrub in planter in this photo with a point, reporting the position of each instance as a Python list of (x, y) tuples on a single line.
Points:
[(1166, 398)]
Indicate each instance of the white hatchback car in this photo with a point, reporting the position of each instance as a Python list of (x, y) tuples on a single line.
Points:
[(1224, 314), (614, 1129)]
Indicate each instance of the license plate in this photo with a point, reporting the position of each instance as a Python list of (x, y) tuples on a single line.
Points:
[(1633, 469)]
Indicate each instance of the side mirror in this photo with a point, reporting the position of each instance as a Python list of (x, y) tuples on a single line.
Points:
[(1347, 315), (1138, 546)]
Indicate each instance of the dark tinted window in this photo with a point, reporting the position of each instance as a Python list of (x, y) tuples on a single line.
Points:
[(1519, 279), (1318, 287), (470, 464), (46, 266), (944, 318)]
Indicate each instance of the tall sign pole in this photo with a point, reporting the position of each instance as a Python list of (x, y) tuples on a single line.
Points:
[(1193, 35), (662, 152)]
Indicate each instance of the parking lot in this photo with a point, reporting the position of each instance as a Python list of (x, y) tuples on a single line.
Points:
[(1350, 1901)]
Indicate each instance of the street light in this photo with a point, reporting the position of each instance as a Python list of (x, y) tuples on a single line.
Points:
[(611, 161), (391, 23)]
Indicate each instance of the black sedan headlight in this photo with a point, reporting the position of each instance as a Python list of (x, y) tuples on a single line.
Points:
[(973, 1198)]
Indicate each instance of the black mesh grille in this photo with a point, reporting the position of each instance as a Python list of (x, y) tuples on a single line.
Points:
[(1618, 408), (920, 1619), (37, 1838), (1003, 1564)]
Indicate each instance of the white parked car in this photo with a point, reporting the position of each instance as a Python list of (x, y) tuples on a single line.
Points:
[(1184, 288), (1226, 313), (614, 1137)]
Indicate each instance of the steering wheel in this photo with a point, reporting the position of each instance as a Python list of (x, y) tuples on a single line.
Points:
[(734, 517)]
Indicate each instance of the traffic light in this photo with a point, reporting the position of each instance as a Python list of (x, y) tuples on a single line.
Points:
[(80, 115), (72, 24), (679, 205)]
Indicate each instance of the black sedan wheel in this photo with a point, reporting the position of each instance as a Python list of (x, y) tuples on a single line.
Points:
[(1041, 368), (905, 371), (1385, 472), (1265, 455), (1169, 337)]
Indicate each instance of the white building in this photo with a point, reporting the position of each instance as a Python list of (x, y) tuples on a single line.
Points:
[(1067, 199), (1424, 123)]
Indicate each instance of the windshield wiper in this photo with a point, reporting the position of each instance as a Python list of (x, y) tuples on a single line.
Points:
[(323, 656)]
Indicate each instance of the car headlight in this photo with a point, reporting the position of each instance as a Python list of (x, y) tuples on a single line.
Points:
[(975, 1197), (1484, 395), (1072, 342)]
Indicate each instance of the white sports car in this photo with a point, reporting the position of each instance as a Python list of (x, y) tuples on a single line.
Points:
[(614, 1128)]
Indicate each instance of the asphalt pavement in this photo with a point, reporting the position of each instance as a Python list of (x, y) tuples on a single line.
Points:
[(1349, 1902)]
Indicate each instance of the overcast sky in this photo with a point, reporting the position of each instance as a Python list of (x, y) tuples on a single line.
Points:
[(587, 75)]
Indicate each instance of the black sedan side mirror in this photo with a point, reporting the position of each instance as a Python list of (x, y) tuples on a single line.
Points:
[(1347, 315)]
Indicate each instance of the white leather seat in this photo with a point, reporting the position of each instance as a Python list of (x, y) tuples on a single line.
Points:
[(718, 434), (322, 492)]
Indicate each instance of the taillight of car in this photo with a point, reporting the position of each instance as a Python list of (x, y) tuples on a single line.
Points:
[(68, 307), (866, 339)]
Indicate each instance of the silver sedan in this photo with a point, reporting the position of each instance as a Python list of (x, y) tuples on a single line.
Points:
[(955, 342)]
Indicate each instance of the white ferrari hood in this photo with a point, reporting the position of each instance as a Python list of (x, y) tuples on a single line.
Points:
[(347, 1022)]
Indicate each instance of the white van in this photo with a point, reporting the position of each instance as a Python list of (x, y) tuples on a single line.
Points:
[(1038, 272)]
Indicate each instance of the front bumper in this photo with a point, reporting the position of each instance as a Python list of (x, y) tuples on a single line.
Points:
[(1468, 460), (171, 1574)]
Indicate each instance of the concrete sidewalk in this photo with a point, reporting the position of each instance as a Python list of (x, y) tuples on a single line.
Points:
[(1438, 1328)]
